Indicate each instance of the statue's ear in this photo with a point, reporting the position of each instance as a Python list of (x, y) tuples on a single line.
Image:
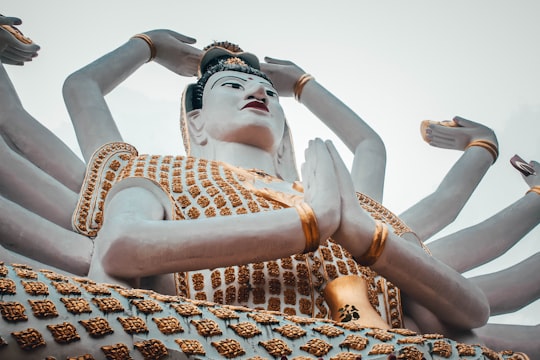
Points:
[(197, 133), (285, 161)]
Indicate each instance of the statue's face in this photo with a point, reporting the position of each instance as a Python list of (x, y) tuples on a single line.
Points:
[(242, 108)]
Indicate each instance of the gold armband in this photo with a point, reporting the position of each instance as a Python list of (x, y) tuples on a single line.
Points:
[(309, 225), (535, 189), (299, 85), (377, 245), (146, 38), (488, 145)]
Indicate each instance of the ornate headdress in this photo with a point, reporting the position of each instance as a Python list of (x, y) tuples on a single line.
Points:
[(225, 56)]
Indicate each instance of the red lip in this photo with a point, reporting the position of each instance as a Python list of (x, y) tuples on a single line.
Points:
[(256, 105)]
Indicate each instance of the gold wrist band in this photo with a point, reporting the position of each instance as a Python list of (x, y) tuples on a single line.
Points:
[(488, 145), (377, 245), (309, 226), (535, 189), (299, 85), (151, 45)]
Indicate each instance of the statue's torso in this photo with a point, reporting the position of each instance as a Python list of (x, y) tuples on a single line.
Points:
[(197, 188)]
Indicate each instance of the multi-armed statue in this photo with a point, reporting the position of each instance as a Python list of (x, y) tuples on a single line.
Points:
[(227, 236)]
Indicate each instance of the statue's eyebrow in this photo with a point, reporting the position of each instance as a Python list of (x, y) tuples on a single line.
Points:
[(227, 77), (237, 78)]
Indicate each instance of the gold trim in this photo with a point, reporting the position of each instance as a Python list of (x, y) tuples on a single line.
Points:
[(377, 245), (148, 40), (488, 145), (299, 85)]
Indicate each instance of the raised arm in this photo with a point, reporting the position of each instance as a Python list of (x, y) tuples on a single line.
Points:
[(437, 210), (369, 163), (26, 136), (85, 89)]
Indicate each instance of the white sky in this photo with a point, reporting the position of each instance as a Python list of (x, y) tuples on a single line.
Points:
[(394, 62)]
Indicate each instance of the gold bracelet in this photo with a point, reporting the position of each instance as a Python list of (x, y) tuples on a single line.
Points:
[(309, 226), (377, 245), (488, 145), (535, 189), (299, 85), (146, 38)]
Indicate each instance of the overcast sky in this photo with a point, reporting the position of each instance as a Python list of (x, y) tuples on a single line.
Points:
[(395, 63)]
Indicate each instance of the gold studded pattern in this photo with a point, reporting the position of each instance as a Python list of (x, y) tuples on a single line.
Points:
[(380, 334), (410, 353), (355, 342), (223, 313), (245, 329), (96, 289), (81, 357), (168, 325), (43, 308), (133, 325), (108, 305), (191, 347), (35, 288), (186, 309), (147, 306), (25, 273), (51, 275), (64, 333), (442, 348), (116, 352), (97, 327), (3, 270), (29, 339), (411, 340), (329, 331), (206, 327), (346, 356), (13, 311), (131, 293), (76, 305), (290, 331), (316, 347), (152, 349), (466, 350), (276, 347), (263, 318), (66, 288), (228, 348)]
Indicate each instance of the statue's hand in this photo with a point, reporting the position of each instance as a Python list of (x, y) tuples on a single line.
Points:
[(355, 231), (283, 73), (15, 48), (173, 50), (456, 134), (533, 180), (320, 190)]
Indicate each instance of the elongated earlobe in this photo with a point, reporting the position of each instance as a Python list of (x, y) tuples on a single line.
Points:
[(197, 133)]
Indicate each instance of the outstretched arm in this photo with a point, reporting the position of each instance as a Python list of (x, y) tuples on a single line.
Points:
[(85, 89), (440, 208), (369, 163), (495, 235)]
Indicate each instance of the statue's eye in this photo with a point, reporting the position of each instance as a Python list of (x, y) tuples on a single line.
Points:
[(233, 85), (271, 93)]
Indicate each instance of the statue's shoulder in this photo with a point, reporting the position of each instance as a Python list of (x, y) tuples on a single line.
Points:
[(175, 180)]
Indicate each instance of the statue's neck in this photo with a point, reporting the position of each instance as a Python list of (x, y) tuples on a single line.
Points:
[(241, 155)]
